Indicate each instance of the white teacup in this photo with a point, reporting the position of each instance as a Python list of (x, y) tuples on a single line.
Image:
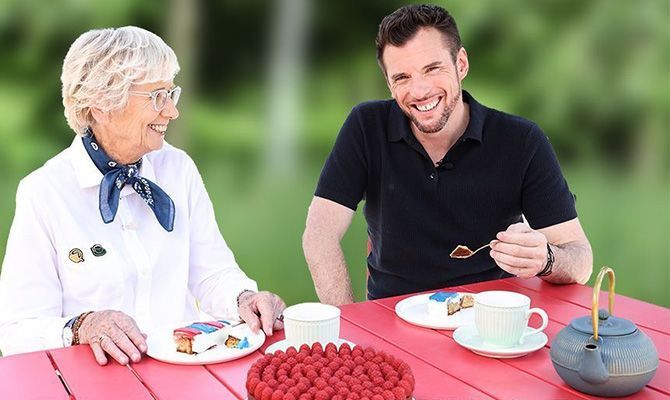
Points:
[(501, 317), (307, 323)]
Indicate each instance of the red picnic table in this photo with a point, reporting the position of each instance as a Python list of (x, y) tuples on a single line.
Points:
[(442, 368)]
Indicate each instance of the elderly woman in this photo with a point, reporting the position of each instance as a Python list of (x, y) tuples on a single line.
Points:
[(117, 233)]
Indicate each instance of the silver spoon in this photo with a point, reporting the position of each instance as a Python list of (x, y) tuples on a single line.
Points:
[(464, 252)]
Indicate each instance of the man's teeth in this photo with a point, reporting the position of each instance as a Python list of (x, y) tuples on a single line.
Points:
[(158, 128), (429, 106)]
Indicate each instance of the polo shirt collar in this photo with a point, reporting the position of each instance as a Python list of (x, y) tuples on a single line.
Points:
[(88, 175), (399, 124)]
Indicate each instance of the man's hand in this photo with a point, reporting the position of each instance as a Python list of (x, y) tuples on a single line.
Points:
[(520, 250), (262, 309), (114, 333)]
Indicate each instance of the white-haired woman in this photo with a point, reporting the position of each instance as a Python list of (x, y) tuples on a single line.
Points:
[(117, 233)]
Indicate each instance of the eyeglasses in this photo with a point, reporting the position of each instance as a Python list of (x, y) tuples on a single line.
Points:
[(159, 97)]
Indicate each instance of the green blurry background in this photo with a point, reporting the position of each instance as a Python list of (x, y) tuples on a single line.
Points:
[(267, 85)]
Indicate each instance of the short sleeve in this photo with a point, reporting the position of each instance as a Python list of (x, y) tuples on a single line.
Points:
[(344, 175), (546, 198)]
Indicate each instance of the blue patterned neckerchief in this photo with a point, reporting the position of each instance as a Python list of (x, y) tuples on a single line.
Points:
[(116, 176)]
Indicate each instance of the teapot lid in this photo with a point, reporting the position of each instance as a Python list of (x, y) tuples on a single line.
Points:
[(608, 325)]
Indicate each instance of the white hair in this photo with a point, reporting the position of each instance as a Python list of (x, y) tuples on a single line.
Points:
[(102, 64)]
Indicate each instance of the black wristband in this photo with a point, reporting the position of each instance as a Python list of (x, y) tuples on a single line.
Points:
[(548, 268)]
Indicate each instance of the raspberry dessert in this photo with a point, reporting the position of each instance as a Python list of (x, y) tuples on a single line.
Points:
[(315, 373)]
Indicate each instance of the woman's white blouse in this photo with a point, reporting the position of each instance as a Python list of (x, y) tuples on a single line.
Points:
[(52, 272)]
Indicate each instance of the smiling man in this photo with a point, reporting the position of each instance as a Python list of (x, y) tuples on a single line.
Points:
[(438, 169)]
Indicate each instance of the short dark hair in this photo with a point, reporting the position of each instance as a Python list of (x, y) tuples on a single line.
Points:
[(399, 27)]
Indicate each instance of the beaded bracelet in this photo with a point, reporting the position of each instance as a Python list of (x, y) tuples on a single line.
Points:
[(240, 295), (77, 325)]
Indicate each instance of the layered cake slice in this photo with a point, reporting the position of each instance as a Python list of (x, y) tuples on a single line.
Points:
[(201, 336), (448, 303)]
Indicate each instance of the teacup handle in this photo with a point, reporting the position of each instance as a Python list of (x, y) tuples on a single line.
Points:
[(545, 321)]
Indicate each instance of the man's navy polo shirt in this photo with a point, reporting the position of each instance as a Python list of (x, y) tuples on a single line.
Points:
[(502, 167)]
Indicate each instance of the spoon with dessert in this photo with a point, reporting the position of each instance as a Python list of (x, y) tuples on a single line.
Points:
[(462, 251)]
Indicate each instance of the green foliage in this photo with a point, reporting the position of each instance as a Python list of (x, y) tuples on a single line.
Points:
[(593, 75)]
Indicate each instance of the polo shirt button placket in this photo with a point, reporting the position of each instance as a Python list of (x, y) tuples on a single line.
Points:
[(432, 176)]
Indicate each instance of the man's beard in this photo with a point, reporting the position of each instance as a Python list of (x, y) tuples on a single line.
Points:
[(444, 118)]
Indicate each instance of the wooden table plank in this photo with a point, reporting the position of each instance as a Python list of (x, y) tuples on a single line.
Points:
[(233, 374), (29, 376), (170, 381), (431, 382), (486, 374), (88, 380)]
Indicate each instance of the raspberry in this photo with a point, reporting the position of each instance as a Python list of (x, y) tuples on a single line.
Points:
[(289, 396), (318, 365), (277, 395), (354, 396), (272, 383), (367, 393), (302, 387), (377, 397), (356, 351), (258, 391), (388, 395), (330, 347), (357, 388), (333, 380), (312, 391), (320, 383), (388, 385), (291, 351), (290, 382), (343, 391), (406, 386), (312, 375), (345, 348), (326, 371), (338, 397), (321, 395), (358, 360), (305, 396), (317, 348), (349, 364), (266, 394), (252, 383), (305, 349), (399, 393)]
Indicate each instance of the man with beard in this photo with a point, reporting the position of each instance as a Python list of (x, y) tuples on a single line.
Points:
[(438, 169)]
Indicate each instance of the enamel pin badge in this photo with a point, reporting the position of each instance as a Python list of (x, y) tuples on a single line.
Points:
[(98, 250), (76, 255)]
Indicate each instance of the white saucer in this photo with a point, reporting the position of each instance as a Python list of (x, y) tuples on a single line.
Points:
[(468, 337), (284, 344), (414, 310)]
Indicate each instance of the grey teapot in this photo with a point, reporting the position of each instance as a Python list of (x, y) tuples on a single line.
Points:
[(604, 355)]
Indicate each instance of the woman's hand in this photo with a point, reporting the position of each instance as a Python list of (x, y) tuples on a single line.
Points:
[(114, 333), (262, 309)]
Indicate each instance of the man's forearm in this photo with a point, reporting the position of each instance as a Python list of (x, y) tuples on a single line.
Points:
[(573, 263), (329, 271)]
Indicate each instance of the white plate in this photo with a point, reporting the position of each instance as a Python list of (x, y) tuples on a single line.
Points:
[(468, 337), (284, 344), (161, 346), (415, 311)]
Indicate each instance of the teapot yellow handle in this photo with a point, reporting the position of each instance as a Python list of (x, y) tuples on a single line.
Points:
[(596, 292)]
